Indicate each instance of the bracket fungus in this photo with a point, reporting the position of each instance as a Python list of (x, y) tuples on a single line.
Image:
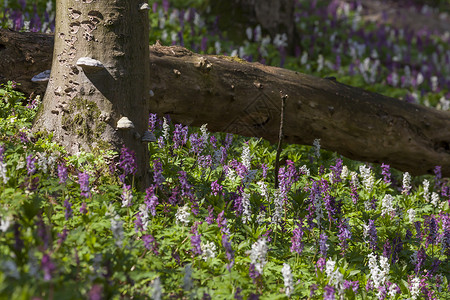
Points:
[(148, 137), (144, 6), (124, 123), (89, 65), (42, 77)]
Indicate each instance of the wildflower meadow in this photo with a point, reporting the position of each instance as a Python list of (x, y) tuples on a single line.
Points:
[(213, 224)]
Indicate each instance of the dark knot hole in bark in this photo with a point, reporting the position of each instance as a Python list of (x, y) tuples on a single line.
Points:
[(2, 47), (442, 146)]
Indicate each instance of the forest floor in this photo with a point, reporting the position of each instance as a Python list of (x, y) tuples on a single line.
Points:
[(407, 16)]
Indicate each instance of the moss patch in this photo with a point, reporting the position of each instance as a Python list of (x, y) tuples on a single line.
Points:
[(82, 118)]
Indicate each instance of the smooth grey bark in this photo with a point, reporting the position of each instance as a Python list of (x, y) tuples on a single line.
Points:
[(86, 98)]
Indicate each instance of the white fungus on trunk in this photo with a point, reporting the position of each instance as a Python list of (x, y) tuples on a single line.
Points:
[(89, 65), (42, 77)]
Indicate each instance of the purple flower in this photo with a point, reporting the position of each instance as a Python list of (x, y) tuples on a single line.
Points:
[(354, 193), (421, 257), (197, 143), (31, 164), (264, 170), (252, 272), (418, 226), (432, 228), (222, 223), (205, 161), (151, 122), (229, 251), (138, 223), (237, 294), (344, 234), (96, 292), (354, 285), (179, 136), (328, 293), (387, 250), (150, 243), (68, 211), (297, 245), (2, 152), (83, 181), (158, 178), (386, 173), (313, 290), (323, 246), (210, 218), (62, 236), (83, 208), (371, 231), (213, 141), (228, 140), (151, 200), (127, 162), (438, 174), (337, 170), (186, 188), (397, 248), (62, 173), (47, 266), (161, 143), (216, 188), (195, 240)]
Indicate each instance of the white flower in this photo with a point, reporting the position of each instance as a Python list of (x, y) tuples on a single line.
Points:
[(10, 269), (245, 157), (378, 274), (204, 131), (392, 290), (288, 281), (143, 212), (247, 209), (336, 278), (208, 250), (411, 215), (166, 129), (182, 215), (3, 172), (406, 183), (415, 288), (426, 194), (344, 172), (304, 169), (387, 205), (354, 179), (127, 196), (367, 177), (187, 282), (316, 145), (280, 40), (278, 201), (434, 199), (304, 58), (263, 188), (258, 255), (5, 223), (157, 289), (117, 230)]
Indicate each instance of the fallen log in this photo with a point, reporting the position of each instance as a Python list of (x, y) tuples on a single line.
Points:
[(232, 95)]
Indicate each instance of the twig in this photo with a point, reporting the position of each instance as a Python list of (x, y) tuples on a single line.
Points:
[(280, 137)]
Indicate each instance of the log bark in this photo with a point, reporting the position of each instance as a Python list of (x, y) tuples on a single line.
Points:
[(235, 96)]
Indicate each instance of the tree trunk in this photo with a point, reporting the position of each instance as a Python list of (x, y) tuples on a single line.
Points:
[(99, 76), (235, 96)]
